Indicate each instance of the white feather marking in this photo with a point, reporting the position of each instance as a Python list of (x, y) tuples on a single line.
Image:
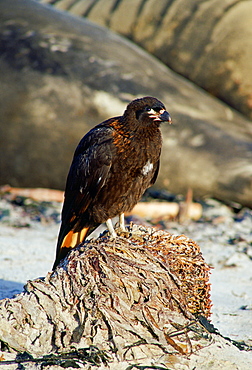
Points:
[(147, 168)]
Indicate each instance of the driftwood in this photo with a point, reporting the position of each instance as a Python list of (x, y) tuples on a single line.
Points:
[(181, 211), (148, 210), (141, 296), (38, 194)]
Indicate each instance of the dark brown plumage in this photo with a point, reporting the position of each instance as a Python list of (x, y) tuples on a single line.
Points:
[(113, 165)]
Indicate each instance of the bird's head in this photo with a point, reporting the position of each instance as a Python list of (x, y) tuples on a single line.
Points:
[(147, 110)]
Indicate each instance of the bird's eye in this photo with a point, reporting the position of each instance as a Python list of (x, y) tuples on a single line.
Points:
[(148, 110), (152, 111)]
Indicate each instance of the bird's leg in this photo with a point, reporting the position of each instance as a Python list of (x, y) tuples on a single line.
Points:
[(121, 222), (111, 228)]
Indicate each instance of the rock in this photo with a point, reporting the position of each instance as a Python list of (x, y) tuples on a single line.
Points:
[(61, 75), (208, 42)]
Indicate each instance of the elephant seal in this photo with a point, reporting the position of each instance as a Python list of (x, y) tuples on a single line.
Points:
[(61, 75)]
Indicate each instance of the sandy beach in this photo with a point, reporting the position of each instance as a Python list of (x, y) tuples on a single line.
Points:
[(27, 249)]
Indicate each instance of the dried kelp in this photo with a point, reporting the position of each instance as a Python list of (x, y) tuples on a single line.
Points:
[(136, 297)]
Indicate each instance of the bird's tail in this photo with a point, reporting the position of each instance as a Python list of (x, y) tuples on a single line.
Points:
[(69, 241)]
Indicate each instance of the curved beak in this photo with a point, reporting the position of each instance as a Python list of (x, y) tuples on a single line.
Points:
[(164, 116)]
